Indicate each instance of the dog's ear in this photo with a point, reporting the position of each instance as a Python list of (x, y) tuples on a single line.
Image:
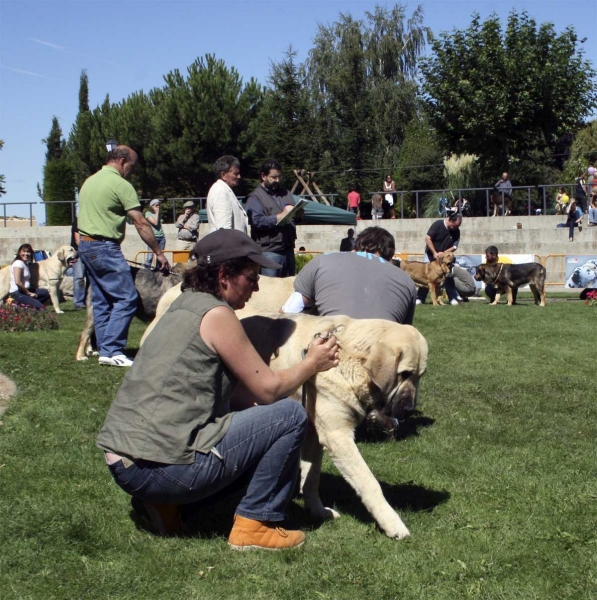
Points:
[(61, 254), (382, 364)]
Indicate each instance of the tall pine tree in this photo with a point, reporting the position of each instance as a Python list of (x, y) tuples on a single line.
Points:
[(79, 141), (59, 179)]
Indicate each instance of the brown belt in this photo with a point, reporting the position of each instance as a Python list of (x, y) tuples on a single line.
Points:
[(88, 238)]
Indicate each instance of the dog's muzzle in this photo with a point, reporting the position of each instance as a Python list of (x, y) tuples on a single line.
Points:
[(402, 403)]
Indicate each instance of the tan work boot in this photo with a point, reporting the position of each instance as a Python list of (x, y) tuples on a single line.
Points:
[(247, 534), (165, 518)]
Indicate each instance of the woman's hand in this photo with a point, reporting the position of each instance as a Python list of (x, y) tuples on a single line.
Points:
[(324, 353)]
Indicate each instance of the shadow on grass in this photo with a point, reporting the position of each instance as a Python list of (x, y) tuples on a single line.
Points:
[(408, 428), (403, 497)]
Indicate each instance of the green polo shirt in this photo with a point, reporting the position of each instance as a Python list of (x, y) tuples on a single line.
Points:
[(104, 201)]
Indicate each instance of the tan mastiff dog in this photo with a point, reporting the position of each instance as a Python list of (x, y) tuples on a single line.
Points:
[(430, 275), (46, 274), (380, 366), (273, 292)]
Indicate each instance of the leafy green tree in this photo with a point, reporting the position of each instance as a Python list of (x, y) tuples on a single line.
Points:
[(59, 179), (420, 161), (361, 76), (285, 125), (508, 96), (583, 152), (197, 119)]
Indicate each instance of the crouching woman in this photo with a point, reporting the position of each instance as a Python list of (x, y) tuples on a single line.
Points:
[(170, 437), (21, 290)]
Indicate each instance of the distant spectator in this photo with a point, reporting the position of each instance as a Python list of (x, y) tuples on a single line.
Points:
[(593, 209), (155, 220), (353, 201), (387, 211), (21, 290), (188, 225), (573, 219), (347, 244), (562, 200), (591, 180), (580, 193), (504, 186), (377, 206), (224, 211), (491, 257), (444, 204), (389, 187)]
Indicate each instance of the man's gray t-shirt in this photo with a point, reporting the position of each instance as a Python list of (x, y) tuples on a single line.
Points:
[(359, 285)]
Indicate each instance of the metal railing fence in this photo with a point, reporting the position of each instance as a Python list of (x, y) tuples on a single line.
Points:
[(535, 196)]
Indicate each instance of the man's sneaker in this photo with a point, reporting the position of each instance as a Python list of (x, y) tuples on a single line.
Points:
[(116, 361), (418, 302), (454, 302), (248, 534)]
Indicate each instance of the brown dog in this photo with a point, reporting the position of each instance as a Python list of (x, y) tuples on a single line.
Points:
[(507, 277), (430, 275)]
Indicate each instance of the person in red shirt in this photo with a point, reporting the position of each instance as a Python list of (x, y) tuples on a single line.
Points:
[(353, 201)]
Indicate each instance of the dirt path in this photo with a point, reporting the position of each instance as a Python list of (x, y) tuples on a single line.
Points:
[(7, 391)]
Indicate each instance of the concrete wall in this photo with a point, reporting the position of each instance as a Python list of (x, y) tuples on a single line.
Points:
[(538, 235)]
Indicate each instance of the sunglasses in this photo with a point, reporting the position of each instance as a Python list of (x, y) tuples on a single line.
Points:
[(252, 279)]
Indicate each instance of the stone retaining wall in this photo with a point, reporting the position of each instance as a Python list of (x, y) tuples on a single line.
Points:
[(536, 235)]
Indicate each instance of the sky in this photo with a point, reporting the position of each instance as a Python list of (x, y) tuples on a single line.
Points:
[(130, 45)]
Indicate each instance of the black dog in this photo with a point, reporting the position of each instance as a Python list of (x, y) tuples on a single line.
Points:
[(506, 277)]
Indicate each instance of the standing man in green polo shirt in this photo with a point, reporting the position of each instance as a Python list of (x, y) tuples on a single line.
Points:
[(105, 201)]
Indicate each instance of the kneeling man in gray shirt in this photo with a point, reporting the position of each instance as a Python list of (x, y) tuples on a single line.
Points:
[(361, 284)]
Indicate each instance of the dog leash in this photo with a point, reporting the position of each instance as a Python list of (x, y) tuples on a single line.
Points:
[(325, 336), (138, 264), (498, 274)]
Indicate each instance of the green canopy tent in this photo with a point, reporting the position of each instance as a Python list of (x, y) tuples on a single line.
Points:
[(315, 214)]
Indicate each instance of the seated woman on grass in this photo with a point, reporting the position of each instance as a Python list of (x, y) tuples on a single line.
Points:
[(20, 280), (170, 437)]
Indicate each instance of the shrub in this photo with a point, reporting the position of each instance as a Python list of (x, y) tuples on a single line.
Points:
[(301, 260), (22, 318)]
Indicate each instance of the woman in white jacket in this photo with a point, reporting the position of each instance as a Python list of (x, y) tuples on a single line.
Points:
[(224, 211)]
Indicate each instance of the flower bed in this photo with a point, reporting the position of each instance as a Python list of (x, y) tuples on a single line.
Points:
[(14, 317)]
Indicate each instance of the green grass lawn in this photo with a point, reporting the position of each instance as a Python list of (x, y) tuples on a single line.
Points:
[(495, 478)]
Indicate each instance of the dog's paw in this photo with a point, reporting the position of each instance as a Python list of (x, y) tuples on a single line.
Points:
[(398, 532), (331, 514), (83, 358), (59, 312)]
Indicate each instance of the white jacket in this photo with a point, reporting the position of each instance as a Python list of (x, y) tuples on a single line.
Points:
[(224, 211)]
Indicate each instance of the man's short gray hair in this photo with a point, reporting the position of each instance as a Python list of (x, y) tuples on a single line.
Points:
[(224, 164)]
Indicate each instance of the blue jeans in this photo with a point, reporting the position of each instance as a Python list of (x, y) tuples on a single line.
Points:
[(113, 294), (80, 285), (262, 442), (162, 243), (593, 215), (284, 258), (42, 297)]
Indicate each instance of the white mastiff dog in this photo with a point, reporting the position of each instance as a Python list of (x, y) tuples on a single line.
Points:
[(380, 366), (46, 274)]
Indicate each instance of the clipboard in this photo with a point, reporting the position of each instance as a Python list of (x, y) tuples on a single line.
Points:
[(292, 213)]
